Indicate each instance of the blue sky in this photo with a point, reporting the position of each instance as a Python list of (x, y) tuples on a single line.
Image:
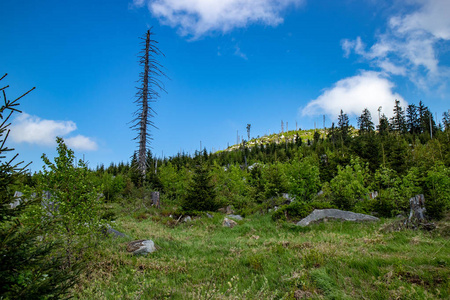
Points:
[(230, 63)]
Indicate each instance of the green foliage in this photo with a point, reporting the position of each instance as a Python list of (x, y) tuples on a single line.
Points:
[(275, 181), (394, 191), (201, 195), (231, 186), (114, 186), (350, 185), (74, 202), (437, 191), (293, 212), (174, 181), (303, 178)]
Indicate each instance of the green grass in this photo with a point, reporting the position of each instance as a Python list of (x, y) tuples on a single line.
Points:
[(261, 259)]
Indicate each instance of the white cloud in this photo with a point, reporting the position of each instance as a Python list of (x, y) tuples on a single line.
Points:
[(432, 17), (34, 130), (198, 17), (81, 142), (367, 90), (356, 45), (408, 47)]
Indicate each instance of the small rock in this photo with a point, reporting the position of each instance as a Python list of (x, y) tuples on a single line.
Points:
[(228, 223), (209, 215), (115, 233), (187, 219), (236, 217), (300, 294), (288, 198), (141, 247)]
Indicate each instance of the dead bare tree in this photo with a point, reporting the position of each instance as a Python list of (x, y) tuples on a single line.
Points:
[(148, 92)]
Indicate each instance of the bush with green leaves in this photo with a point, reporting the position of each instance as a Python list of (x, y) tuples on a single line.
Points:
[(113, 186), (437, 191), (231, 185), (350, 184), (394, 192), (303, 178), (74, 204), (275, 181), (293, 212), (174, 181)]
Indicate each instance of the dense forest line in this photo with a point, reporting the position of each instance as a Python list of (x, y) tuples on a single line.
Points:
[(405, 155)]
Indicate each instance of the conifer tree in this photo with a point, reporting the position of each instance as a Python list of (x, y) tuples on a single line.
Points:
[(28, 268), (201, 195), (365, 122), (344, 127), (383, 127), (147, 93), (412, 119), (398, 122), (427, 123), (446, 120), (425, 118)]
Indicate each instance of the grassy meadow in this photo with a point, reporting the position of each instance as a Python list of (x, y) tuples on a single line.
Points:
[(263, 259)]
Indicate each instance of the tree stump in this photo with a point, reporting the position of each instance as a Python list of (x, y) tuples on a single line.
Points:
[(155, 200), (417, 214)]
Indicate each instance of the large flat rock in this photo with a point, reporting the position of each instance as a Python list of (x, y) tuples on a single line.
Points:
[(319, 214)]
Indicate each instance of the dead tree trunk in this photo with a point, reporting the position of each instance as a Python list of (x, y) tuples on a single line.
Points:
[(147, 92)]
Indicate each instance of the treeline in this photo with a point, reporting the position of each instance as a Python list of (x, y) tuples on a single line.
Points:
[(405, 155)]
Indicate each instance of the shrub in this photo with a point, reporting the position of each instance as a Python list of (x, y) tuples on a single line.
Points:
[(294, 211), (303, 178), (350, 184), (275, 181), (74, 200), (437, 191)]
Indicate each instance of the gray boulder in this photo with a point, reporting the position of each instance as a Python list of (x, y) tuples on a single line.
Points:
[(236, 217), (228, 223), (187, 219), (141, 247), (319, 214), (115, 233)]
